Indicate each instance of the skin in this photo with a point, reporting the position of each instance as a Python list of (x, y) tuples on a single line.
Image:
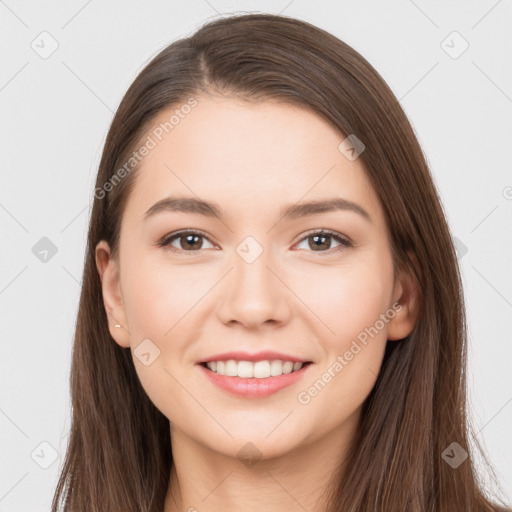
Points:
[(254, 159)]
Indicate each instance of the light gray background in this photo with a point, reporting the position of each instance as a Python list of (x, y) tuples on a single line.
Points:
[(55, 113)]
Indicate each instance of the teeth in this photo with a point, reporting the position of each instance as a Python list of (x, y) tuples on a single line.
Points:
[(258, 370)]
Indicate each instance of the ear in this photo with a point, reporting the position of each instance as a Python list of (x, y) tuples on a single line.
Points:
[(407, 294), (108, 269)]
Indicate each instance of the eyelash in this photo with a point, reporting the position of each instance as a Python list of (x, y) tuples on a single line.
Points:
[(345, 242)]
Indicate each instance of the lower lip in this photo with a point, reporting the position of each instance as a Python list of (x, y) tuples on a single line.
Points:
[(254, 388)]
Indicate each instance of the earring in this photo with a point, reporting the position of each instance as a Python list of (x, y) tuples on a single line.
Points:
[(117, 325)]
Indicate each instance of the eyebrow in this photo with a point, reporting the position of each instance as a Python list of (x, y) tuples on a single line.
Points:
[(294, 211)]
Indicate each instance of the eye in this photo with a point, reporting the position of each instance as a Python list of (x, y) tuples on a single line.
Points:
[(320, 241), (189, 241)]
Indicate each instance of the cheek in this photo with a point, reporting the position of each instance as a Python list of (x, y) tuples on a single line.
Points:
[(350, 302), (160, 301), (159, 296), (349, 298)]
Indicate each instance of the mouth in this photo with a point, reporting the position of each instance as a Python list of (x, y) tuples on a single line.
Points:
[(253, 379)]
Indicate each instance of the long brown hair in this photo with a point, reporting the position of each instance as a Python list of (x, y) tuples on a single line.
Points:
[(119, 452)]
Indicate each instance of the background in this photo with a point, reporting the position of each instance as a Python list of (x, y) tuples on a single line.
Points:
[(65, 67)]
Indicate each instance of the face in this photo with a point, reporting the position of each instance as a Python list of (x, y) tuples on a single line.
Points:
[(189, 285)]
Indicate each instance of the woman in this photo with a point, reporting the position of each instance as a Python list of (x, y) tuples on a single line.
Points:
[(272, 315)]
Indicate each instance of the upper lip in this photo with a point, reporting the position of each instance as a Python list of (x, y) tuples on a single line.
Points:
[(258, 356)]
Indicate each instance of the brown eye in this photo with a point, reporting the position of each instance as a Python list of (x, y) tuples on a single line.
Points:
[(187, 241), (321, 241), (190, 241)]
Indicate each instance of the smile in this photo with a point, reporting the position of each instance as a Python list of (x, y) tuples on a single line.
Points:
[(254, 379)]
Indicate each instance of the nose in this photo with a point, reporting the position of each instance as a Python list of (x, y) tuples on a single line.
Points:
[(254, 294)]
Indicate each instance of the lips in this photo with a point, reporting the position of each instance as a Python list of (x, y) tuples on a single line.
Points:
[(254, 387), (259, 356)]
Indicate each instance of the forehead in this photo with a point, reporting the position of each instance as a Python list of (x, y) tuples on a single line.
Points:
[(238, 153)]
